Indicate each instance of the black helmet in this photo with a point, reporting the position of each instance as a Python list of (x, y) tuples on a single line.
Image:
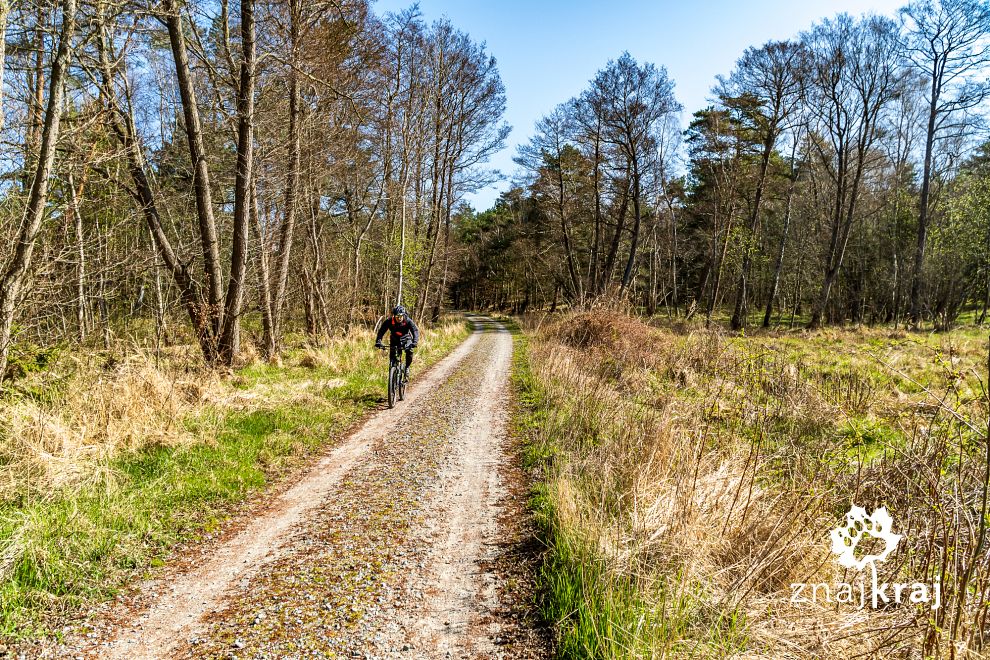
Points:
[(399, 310)]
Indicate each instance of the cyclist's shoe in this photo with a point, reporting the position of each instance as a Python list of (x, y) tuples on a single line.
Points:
[(405, 374)]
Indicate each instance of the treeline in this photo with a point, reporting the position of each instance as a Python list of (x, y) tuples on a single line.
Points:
[(195, 171), (835, 178)]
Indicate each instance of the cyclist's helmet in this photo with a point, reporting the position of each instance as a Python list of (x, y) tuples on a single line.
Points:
[(399, 313)]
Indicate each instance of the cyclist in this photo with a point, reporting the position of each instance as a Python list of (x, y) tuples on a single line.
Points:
[(404, 336)]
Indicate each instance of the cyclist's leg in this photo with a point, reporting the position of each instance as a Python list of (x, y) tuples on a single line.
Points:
[(409, 359), (393, 353)]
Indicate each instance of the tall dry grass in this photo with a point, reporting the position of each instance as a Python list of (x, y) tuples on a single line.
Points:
[(83, 414), (700, 474), (62, 428)]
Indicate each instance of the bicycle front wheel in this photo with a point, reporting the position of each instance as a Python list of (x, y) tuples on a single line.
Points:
[(393, 380)]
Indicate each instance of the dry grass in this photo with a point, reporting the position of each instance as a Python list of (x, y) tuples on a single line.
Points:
[(66, 440), (73, 419), (703, 473)]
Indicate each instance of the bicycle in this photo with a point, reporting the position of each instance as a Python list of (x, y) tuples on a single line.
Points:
[(396, 375)]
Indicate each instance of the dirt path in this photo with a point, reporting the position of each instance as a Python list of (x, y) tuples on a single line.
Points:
[(389, 547), (451, 617)]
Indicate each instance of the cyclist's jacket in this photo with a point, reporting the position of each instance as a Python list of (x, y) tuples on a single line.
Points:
[(403, 334)]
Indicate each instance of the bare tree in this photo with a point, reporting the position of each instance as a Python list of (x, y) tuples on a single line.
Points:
[(4, 14), (788, 213), (123, 125), (855, 73), (34, 211), (172, 16), (243, 182), (273, 307), (948, 41), (633, 99)]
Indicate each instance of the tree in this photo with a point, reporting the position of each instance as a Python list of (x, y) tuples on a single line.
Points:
[(13, 276), (556, 166), (209, 241), (766, 86), (633, 100), (228, 343), (715, 144), (947, 41), (854, 74)]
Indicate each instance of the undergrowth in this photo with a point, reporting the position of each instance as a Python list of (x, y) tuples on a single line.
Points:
[(686, 478)]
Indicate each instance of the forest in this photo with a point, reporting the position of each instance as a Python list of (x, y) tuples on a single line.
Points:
[(173, 169), (837, 178), (183, 170)]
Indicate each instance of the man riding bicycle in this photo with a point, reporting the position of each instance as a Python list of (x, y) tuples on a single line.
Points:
[(403, 336)]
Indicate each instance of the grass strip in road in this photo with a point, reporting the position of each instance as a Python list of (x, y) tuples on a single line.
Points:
[(79, 542)]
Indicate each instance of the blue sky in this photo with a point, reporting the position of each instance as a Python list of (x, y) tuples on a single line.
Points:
[(548, 50)]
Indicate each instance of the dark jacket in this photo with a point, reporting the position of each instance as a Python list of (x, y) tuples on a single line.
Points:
[(404, 334)]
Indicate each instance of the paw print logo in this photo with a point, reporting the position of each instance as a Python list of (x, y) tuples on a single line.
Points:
[(860, 526)]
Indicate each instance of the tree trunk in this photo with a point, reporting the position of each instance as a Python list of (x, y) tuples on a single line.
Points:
[(986, 277), (779, 261), (433, 234), (926, 184), (593, 273), (291, 182), (76, 219), (568, 249), (4, 13), (161, 328), (777, 266), (124, 127), (402, 241), (201, 170), (637, 221), (34, 212), (613, 249), (837, 248), (36, 100), (439, 303), (830, 270), (719, 264), (740, 311), (268, 341), (243, 179)]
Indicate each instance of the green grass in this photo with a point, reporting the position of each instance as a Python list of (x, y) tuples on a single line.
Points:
[(82, 545)]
